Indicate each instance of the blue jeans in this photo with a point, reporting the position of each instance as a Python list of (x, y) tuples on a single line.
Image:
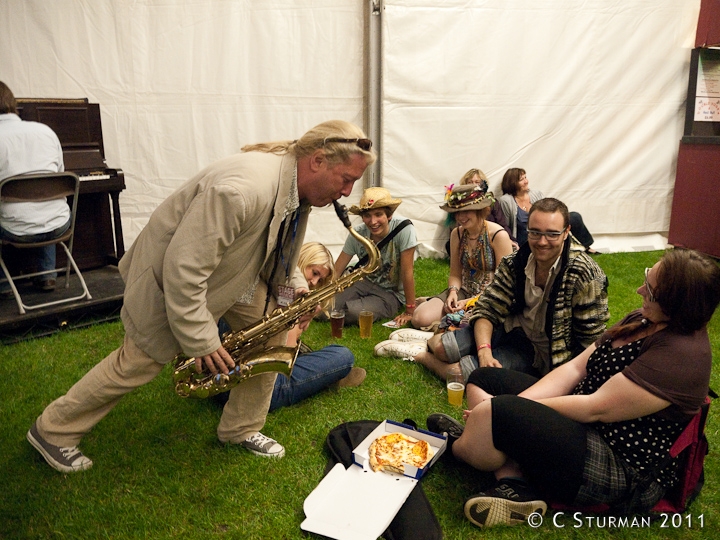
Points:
[(512, 349), (44, 256), (313, 372)]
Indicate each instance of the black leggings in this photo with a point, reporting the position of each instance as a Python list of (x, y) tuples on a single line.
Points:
[(549, 447), (497, 381)]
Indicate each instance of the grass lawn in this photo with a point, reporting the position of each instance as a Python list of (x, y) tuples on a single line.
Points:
[(160, 472)]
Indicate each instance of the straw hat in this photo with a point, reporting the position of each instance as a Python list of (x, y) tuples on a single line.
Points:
[(469, 197), (375, 197)]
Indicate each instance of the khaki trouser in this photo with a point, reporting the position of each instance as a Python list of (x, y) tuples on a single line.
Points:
[(246, 409), (67, 419)]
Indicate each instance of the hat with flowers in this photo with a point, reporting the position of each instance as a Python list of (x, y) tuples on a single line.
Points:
[(468, 197)]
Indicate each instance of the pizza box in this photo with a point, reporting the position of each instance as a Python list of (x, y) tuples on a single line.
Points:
[(357, 503)]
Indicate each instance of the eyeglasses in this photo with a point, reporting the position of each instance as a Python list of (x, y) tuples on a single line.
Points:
[(651, 293), (552, 236), (363, 144)]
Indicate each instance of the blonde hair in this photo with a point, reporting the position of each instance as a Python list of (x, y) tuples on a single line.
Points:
[(335, 152), (314, 253), (468, 176)]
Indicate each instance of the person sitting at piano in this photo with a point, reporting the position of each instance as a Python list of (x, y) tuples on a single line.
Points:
[(30, 147), (225, 244)]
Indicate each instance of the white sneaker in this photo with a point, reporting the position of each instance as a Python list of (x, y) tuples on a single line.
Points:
[(400, 349), (410, 334)]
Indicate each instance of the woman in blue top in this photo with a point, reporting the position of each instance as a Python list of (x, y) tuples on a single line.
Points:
[(516, 200)]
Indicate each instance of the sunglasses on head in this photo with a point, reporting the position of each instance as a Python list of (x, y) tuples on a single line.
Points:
[(363, 144)]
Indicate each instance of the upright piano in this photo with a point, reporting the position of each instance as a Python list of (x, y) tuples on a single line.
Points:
[(98, 228)]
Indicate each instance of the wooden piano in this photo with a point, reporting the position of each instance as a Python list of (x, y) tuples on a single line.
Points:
[(98, 229)]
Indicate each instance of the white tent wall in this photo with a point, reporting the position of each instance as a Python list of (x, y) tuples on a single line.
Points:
[(587, 97), (182, 84)]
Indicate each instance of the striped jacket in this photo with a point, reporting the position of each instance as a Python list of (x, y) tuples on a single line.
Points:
[(578, 308)]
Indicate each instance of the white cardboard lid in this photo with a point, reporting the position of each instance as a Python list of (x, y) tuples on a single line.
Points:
[(357, 503)]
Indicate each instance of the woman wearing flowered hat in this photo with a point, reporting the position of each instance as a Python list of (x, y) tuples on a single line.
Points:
[(476, 247), (390, 287), (496, 215)]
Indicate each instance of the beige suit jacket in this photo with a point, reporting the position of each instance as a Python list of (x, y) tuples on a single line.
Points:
[(204, 249)]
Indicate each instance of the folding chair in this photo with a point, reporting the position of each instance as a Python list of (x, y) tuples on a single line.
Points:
[(36, 188)]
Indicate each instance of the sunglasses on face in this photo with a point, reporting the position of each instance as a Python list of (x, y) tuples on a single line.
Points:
[(363, 144), (651, 293), (552, 236)]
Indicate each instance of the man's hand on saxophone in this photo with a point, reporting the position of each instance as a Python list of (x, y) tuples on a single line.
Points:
[(220, 359)]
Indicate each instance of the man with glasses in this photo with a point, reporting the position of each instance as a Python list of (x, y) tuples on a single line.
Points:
[(546, 304)]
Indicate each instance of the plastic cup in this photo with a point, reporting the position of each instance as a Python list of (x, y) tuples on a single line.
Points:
[(337, 321), (455, 388), (365, 319)]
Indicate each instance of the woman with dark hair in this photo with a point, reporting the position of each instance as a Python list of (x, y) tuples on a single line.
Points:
[(516, 200), (583, 434)]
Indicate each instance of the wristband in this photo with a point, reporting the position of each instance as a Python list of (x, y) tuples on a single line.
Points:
[(410, 306), (453, 288), (483, 346)]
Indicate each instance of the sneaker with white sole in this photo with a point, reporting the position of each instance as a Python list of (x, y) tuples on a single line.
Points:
[(410, 334), (400, 349), (64, 459), (509, 502), (260, 445)]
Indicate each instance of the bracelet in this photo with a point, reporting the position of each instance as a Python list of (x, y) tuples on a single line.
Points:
[(410, 306), (453, 288), (483, 346)]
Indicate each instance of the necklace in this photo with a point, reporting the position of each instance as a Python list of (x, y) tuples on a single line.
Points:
[(479, 234), (522, 205)]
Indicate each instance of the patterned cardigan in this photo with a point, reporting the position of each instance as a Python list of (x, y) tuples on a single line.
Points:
[(578, 304)]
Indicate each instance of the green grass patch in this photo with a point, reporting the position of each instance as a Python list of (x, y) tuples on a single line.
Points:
[(160, 472)]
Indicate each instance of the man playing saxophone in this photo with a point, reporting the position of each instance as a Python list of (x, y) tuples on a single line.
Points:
[(225, 244)]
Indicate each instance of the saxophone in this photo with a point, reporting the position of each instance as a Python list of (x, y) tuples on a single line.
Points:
[(247, 347)]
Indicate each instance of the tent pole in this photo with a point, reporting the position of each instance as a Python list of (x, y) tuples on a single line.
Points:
[(374, 89)]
